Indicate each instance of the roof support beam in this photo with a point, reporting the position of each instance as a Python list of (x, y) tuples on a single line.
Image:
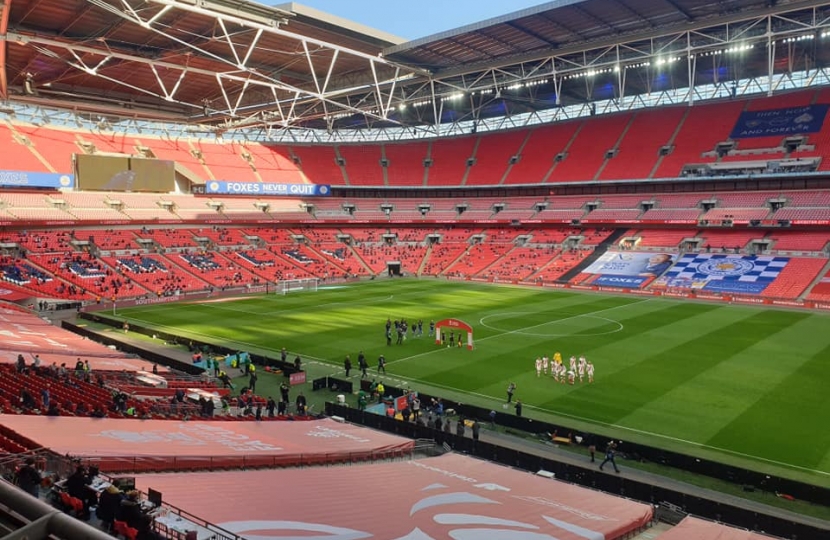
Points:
[(240, 77), (276, 30), (5, 9), (127, 11), (633, 38)]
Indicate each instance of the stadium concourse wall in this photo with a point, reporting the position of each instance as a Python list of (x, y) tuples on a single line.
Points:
[(765, 224), (108, 305), (286, 368), (590, 477)]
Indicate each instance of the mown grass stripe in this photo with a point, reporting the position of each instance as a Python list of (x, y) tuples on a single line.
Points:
[(727, 389), (788, 423), (618, 395)]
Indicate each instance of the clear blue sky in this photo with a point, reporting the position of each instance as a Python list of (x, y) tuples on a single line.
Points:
[(413, 19)]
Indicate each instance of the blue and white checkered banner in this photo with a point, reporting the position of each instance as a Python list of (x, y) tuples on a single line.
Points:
[(740, 274), (259, 189)]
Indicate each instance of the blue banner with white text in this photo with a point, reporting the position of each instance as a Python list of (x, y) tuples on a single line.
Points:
[(623, 282), (24, 179), (256, 189), (783, 122)]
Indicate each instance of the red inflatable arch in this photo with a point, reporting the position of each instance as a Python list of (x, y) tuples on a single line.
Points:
[(451, 325)]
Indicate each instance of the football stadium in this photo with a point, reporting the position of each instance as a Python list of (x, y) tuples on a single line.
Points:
[(271, 273)]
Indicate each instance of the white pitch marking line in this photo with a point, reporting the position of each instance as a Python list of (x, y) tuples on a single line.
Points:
[(616, 426), (520, 330), (281, 311), (548, 411), (620, 326)]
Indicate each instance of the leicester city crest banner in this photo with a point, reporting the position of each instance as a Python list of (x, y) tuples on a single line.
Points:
[(737, 274)]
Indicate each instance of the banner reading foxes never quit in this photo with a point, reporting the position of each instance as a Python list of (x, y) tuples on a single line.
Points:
[(628, 269), (783, 122)]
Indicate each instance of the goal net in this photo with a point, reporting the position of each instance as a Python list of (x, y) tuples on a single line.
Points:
[(296, 285)]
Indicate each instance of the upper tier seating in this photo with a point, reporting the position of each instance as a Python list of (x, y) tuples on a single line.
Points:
[(638, 151), (180, 151), (704, 126), (363, 166), (226, 161), (492, 157), (586, 154), (449, 161), (406, 163), (110, 142), (274, 164), (55, 146), (537, 156), (318, 164), (16, 155), (636, 137)]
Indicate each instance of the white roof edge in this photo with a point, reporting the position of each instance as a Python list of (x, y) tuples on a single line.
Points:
[(547, 6), (306, 11)]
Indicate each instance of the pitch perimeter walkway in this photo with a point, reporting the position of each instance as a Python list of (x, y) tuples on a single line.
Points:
[(549, 451)]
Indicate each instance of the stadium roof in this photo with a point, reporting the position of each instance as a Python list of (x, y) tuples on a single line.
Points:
[(235, 64), (560, 24), (179, 50)]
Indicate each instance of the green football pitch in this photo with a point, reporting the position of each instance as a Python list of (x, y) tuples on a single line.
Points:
[(739, 384)]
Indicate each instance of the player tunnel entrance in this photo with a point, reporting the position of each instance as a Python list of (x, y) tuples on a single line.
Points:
[(447, 327), (393, 268)]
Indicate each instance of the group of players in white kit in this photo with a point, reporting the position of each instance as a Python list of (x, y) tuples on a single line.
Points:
[(576, 368)]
